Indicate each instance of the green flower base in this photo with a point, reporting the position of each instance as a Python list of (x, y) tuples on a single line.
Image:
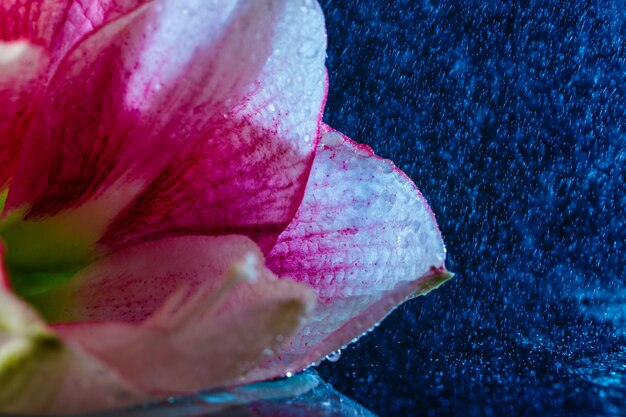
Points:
[(302, 395)]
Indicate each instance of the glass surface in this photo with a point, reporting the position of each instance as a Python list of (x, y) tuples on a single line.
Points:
[(303, 395)]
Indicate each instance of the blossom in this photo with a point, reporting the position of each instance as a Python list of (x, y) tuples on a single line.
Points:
[(175, 214)]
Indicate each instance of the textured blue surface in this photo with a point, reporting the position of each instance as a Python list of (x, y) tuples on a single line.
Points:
[(303, 395), (511, 118)]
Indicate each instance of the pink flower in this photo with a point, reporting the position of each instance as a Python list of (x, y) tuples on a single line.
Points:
[(175, 214)]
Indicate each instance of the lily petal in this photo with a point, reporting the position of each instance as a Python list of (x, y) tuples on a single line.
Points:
[(34, 37), (364, 238), (133, 284), (212, 331), (41, 374), (206, 353), (57, 25), (247, 175), (22, 65), (131, 95)]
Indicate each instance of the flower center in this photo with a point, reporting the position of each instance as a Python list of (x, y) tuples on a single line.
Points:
[(43, 254)]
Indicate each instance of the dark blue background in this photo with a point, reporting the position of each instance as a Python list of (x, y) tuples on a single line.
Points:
[(511, 118)]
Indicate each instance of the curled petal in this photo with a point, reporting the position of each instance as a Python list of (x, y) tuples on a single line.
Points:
[(207, 334), (205, 353), (228, 316), (364, 238), (133, 284), (41, 374), (247, 174)]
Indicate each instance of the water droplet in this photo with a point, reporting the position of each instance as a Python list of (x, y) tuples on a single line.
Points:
[(362, 150), (288, 374), (386, 167), (309, 48), (333, 139), (271, 108), (334, 357)]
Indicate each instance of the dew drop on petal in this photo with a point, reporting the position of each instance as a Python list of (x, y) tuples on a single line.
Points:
[(335, 356), (361, 151), (308, 50)]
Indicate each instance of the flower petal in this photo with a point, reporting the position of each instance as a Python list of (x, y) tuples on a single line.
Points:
[(247, 175), (34, 37), (364, 238), (208, 334), (57, 25), (206, 353), (134, 93), (133, 284), (41, 374), (54, 378), (22, 65)]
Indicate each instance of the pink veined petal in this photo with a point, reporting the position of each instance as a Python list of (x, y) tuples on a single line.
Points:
[(40, 374), (34, 36), (132, 284), (208, 330), (136, 92), (364, 238), (206, 353), (22, 67), (56, 25), (247, 175)]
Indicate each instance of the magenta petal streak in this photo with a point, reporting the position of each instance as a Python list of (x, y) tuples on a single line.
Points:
[(50, 28), (364, 238), (247, 174), (131, 97)]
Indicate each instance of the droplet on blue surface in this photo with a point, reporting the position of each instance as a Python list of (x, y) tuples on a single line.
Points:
[(335, 356)]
